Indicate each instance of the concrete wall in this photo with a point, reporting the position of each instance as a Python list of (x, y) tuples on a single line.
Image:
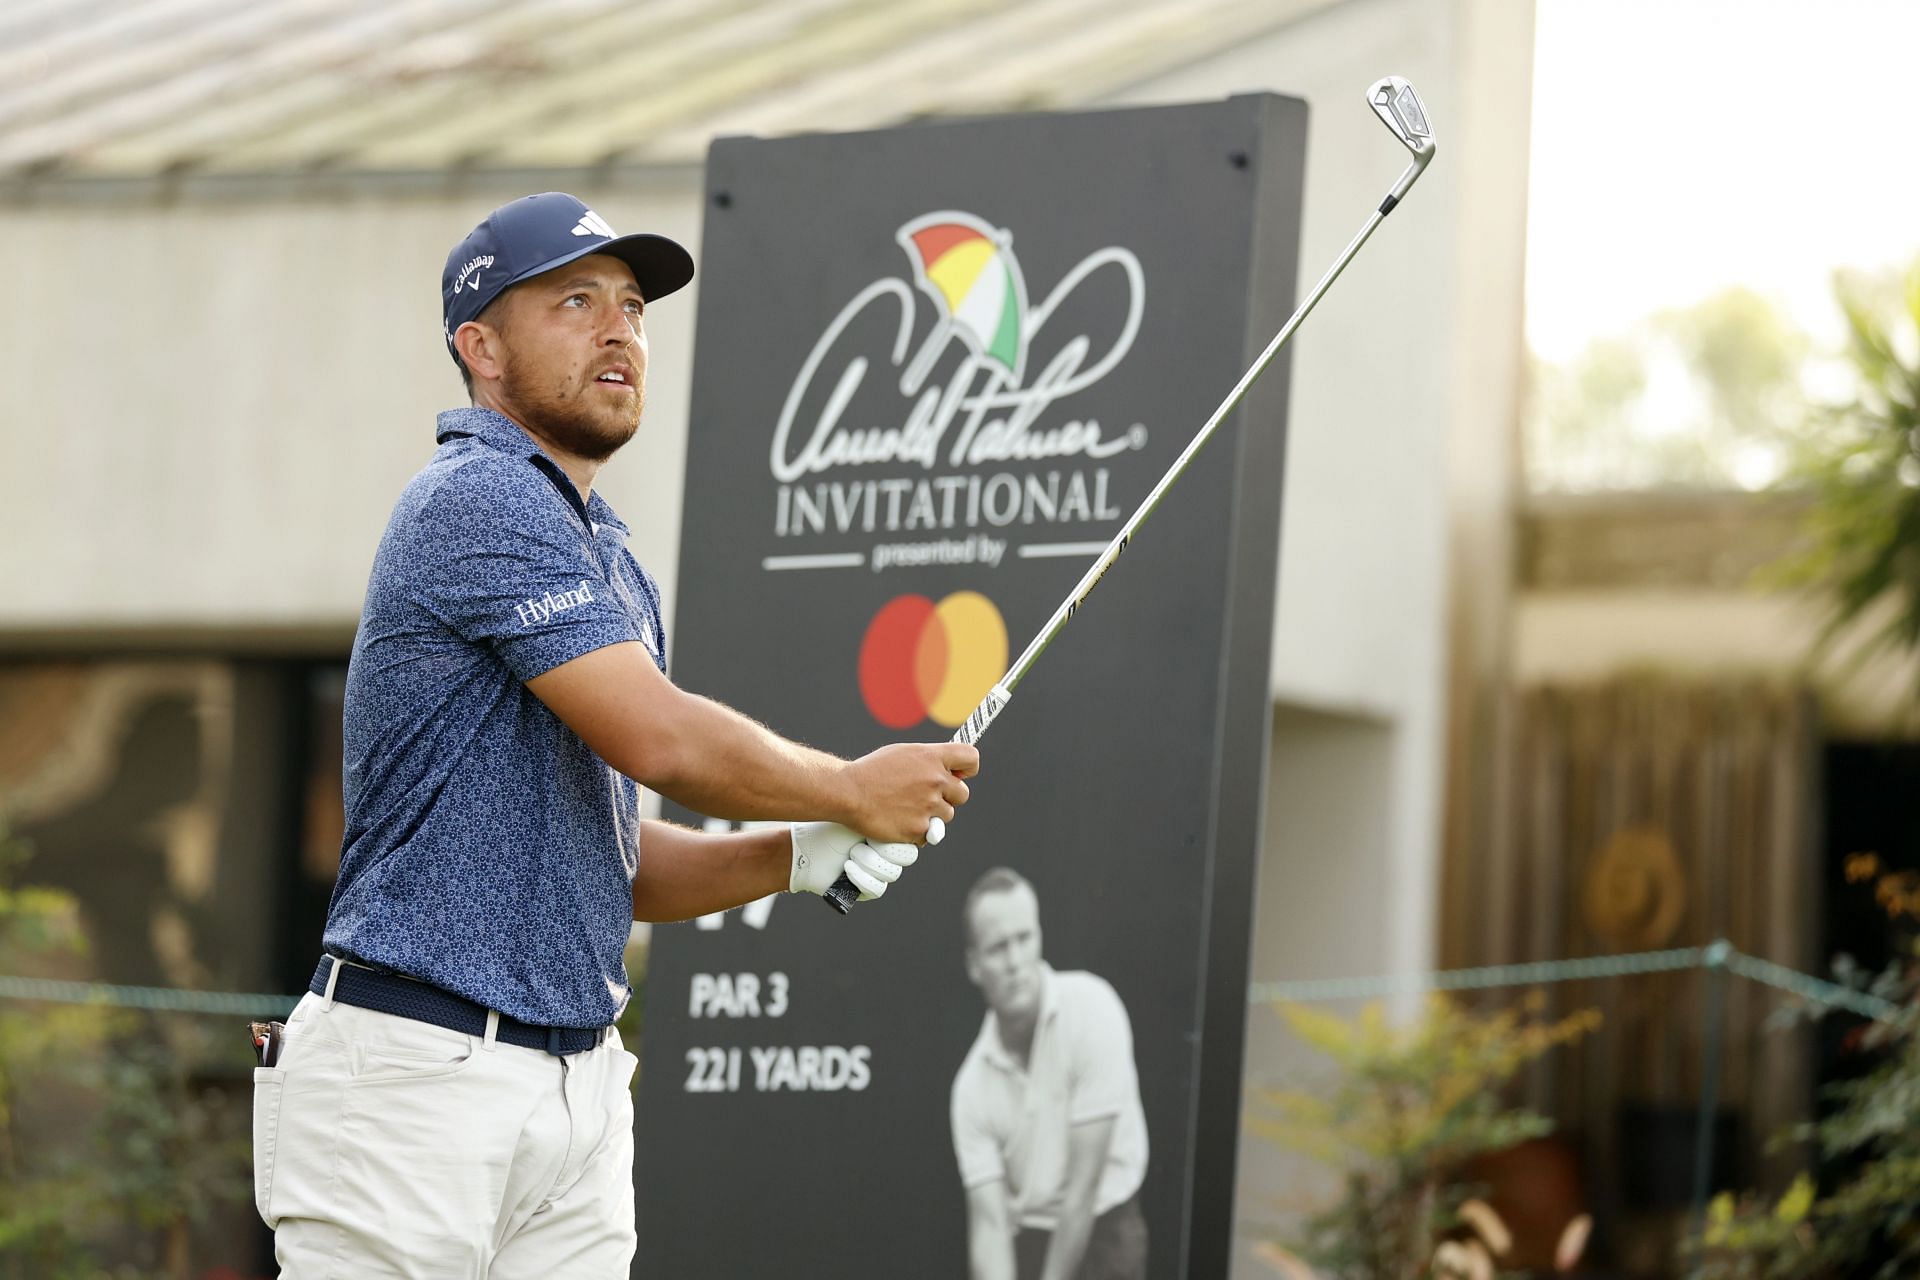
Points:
[(1594, 633), (212, 405), (1681, 582)]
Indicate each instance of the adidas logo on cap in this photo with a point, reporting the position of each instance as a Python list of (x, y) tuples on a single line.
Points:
[(592, 224)]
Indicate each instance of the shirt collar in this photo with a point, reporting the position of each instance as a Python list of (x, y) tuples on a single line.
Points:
[(996, 1052), (497, 431), (489, 426)]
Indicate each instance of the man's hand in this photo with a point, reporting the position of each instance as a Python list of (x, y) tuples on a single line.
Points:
[(896, 789), (822, 850)]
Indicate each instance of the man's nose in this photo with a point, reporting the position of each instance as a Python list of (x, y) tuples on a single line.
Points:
[(623, 331)]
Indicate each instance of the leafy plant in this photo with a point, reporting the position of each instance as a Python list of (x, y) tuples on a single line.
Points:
[(1873, 1217), (1410, 1107), (1862, 469), (38, 1197)]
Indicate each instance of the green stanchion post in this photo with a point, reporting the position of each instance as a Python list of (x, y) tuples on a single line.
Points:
[(1714, 960)]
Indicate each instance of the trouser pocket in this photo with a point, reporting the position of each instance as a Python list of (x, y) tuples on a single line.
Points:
[(267, 1087)]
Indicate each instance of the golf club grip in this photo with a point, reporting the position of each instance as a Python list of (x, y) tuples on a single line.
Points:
[(843, 893)]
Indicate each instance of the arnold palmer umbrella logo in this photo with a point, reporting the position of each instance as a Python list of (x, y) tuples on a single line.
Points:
[(940, 418), (969, 270)]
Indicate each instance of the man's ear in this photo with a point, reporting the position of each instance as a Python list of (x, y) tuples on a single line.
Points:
[(480, 346)]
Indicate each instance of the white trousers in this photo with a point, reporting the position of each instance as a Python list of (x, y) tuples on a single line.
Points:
[(385, 1147)]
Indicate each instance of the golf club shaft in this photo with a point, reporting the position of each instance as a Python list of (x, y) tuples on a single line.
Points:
[(842, 895)]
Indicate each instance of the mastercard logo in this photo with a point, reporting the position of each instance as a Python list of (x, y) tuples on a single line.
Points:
[(926, 661)]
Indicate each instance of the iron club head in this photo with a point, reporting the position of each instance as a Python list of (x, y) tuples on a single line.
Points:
[(1398, 107)]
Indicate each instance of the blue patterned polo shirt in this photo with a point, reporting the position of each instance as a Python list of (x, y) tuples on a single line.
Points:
[(488, 850)]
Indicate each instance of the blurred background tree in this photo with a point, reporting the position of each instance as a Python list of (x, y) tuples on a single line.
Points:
[(1749, 360), (40, 1196), (112, 1147), (1703, 397)]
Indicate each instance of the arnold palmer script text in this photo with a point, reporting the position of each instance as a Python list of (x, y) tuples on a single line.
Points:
[(975, 451)]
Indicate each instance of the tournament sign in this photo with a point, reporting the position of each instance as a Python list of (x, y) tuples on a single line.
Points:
[(936, 368)]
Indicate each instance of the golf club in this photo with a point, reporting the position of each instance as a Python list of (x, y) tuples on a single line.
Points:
[(1398, 107)]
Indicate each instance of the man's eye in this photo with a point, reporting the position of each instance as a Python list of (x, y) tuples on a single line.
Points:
[(633, 307), (580, 298)]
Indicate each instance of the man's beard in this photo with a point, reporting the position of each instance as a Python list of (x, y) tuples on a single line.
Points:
[(572, 423)]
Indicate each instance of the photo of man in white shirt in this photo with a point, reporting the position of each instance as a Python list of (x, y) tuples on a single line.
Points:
[(1047, 1122)]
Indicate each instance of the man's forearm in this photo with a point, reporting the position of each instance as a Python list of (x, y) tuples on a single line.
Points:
[(686, 873), (718, 762)]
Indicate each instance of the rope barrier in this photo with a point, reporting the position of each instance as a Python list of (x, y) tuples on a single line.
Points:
[(1490, 976), (167, 999), (1718, 955), (1779, 976)]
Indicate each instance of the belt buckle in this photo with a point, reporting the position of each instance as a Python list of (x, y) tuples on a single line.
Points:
[(553, 1042)]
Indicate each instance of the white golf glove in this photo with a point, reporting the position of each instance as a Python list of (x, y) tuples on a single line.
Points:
[(822, 850)]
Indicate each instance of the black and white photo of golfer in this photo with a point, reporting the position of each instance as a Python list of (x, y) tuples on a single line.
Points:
[(1047, 1123)]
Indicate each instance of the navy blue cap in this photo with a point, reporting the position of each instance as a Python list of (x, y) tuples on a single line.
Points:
[(538, 233)]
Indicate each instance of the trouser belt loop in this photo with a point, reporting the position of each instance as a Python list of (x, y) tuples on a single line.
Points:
[(333, 980), (493, 1029)]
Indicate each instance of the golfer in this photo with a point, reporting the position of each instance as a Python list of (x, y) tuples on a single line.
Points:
[(452, 1099), (1047, 1122)]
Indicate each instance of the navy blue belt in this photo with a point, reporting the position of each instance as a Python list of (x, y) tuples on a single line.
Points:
[(385, 992)]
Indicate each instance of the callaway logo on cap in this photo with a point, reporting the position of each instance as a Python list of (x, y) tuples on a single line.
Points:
[(538, 233)]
